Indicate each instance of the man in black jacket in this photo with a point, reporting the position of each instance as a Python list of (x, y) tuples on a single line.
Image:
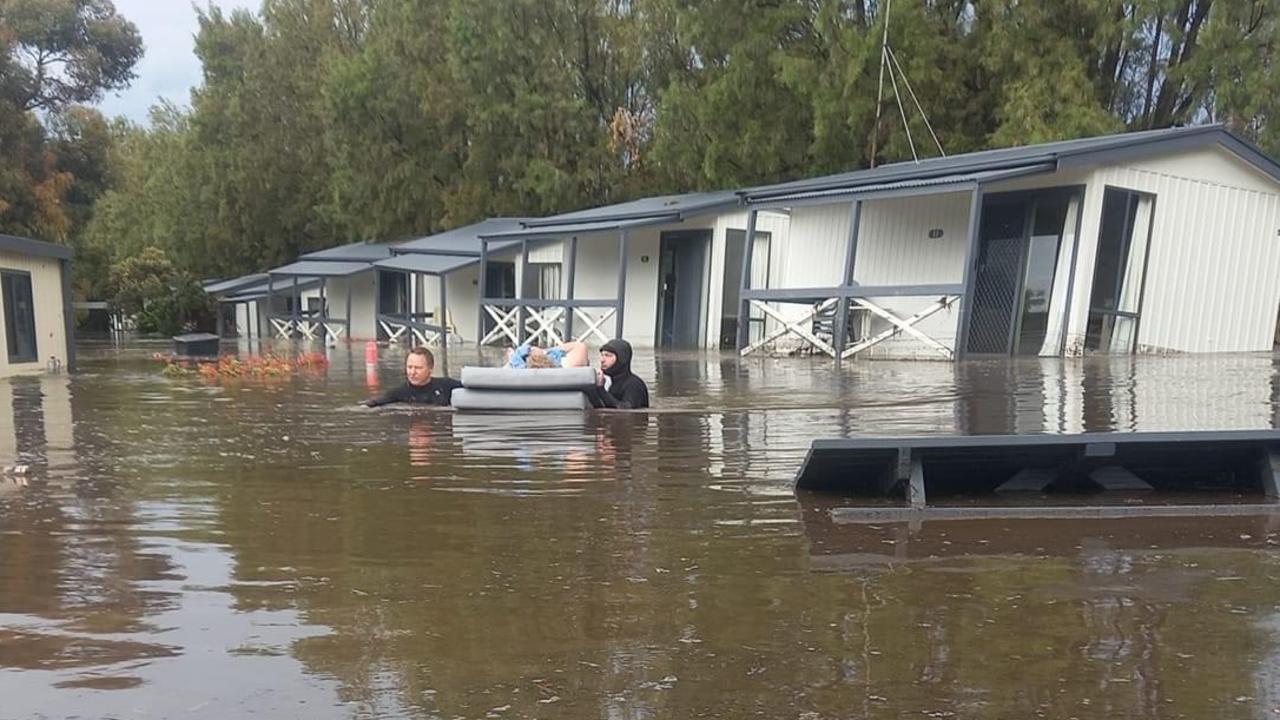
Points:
[(420, 388), (625, 391)]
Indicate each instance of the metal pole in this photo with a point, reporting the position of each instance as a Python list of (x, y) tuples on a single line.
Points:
[(841, 330), (270, 300), (297, 300), (744, 305), (377, 304), (444, 324), (350, 288), (484, 271), (970, 259), (521, 290), (622, 282), (568, 293)]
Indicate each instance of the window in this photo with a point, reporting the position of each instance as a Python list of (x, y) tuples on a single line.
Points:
[(544, 281), (19, 315), (1119, 271)]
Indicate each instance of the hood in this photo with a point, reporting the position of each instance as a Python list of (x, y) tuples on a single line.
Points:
[(622, 349)]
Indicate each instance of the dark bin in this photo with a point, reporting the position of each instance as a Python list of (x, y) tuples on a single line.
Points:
[(196, 345)]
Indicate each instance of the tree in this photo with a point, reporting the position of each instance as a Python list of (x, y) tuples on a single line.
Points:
[(61, 52), (160, 298)]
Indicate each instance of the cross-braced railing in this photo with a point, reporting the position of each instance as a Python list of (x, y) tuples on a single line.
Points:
[(413, 330), (826, 303), (548, 322)]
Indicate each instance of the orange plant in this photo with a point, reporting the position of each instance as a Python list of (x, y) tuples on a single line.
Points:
[(272, 365)]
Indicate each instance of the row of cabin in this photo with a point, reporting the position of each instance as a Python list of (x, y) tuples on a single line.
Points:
[(1158, 241)]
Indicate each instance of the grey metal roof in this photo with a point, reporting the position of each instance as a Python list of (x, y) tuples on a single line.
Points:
[(463, 240), (427, 264), (1067, 153), (321, 268), (223, 287), (259, 291), (943, 183), (353, 252), (38, 248), (553, 231), (685, 205)]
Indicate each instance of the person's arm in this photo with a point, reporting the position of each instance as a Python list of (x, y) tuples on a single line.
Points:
[(600, 398), (386, 398)]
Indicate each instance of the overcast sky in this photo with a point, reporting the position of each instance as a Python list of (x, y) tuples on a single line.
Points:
[(169, 67)]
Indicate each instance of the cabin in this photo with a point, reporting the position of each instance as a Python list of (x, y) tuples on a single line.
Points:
[(35, 306), (660, 271), (1165, 241)]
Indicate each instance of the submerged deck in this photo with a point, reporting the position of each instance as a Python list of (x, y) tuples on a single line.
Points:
[(915, 467)]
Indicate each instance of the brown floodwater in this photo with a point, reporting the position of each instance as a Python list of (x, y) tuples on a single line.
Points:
[(183, 549)]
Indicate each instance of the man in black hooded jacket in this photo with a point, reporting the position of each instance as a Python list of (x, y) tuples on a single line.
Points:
[(626, 391)]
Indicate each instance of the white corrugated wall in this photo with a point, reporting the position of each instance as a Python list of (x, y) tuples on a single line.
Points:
[(1213, 277)]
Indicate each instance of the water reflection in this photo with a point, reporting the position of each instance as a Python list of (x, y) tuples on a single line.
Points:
[(186, 549)]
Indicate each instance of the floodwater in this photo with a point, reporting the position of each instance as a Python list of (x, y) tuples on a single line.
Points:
[(182, 549)]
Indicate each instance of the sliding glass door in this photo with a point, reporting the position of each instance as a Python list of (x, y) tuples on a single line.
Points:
[(1119, 271), (1019, 242)]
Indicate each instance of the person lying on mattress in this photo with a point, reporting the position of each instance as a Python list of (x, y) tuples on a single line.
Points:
[(566, 354), (419, 386), (624, 390)]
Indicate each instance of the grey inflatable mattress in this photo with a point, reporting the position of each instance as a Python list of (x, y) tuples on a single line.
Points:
[(505, 389)]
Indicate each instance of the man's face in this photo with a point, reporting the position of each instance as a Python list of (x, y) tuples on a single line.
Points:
[(607, 359), (417, 370)]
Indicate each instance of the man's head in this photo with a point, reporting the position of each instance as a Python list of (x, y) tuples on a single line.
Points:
[(418, 366), (615, 357)]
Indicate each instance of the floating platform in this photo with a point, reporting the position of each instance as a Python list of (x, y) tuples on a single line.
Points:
[(912, 467)]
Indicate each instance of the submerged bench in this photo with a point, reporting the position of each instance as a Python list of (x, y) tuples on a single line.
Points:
[(1241, 459), (501, 389)]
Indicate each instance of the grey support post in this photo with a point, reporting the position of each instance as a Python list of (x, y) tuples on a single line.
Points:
[(1269, 467), (296, 315), (350, 282), (910, 472), (444, 324), (744, 305), (484, 271), (622, 282), (840, 331), (522, 287), (568, 291), (270, 300)]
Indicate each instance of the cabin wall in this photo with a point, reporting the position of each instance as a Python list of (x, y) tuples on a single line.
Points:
[(1213, 274), (48, 309), (361, 288)]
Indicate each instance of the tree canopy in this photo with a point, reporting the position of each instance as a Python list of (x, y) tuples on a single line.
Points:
[(320, 122)]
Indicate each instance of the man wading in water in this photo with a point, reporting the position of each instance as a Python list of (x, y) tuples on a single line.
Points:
[(420, 388), (625, 391)]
